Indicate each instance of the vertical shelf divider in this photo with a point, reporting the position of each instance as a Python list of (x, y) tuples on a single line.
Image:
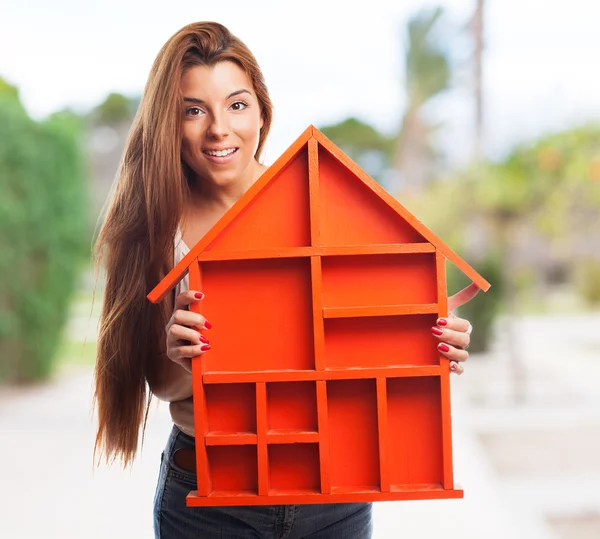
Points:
[(313, 186), (200, 410), (442, 299), (261, 439), (323, 419), (382, 423), (317, 304)]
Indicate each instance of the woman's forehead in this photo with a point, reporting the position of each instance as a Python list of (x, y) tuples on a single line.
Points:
[(214, 82)]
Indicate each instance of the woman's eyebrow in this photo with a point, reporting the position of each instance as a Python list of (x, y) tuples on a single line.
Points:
[(202, 102)]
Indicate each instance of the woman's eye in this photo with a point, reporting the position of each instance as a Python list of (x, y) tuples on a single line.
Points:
[(193, 111), (239, 105)]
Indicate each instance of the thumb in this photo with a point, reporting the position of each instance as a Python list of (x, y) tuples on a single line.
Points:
[(462, 297)]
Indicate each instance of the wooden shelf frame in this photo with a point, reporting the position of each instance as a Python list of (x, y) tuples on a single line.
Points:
[(265, 437)]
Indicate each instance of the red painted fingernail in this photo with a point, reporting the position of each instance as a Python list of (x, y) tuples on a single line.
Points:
[(452, 367), (442, 322), (205, 348), (207, 324), (436, 331), (204, 339), (444, 347), (199, 295)]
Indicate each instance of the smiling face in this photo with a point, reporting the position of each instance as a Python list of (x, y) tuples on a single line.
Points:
[(221, 125)]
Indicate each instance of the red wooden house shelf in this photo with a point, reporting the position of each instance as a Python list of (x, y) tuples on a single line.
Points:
[(324, 383)]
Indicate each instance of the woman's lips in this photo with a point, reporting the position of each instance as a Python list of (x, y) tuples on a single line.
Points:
[(221, 160)]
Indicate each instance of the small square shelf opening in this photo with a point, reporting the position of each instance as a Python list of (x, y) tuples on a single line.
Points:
[(380, 341), (373, 280), (353, 433), (233, 468), (231, 408), (292, 407), (415, 431), (254, 300), (294, 467)]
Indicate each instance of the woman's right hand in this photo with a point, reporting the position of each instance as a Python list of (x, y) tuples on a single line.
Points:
[(184, 340)]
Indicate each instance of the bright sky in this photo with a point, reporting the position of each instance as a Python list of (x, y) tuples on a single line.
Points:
[(323, 60)]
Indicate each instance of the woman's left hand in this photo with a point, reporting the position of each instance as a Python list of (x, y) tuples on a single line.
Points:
[(454, 333)]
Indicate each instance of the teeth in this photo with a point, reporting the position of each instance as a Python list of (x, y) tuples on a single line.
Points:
[(222, 153)]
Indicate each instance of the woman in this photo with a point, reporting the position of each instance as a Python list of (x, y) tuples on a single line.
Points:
[(192, 152)]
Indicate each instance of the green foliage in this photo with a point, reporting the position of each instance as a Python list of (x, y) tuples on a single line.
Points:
[(355, 135), (587, 279), (9, 92), (115, 109), (536, 212), (43, 236), (369, 148)]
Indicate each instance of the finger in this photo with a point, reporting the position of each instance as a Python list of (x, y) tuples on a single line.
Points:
[(452, 353), (459, 339), (185, 299), (188, 352), (453, 322), (456, 368), (184, 333), (462, 297), (188, 318)]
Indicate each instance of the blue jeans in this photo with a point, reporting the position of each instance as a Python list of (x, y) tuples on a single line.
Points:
[(173, 520)]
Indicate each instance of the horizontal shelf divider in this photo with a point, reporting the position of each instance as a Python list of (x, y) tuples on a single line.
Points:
[(397, 371), (338, 495), (335, 250), (380, 310), (230, 438), (289, 436)]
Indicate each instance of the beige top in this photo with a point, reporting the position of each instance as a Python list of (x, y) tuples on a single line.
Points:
[(177, 386)]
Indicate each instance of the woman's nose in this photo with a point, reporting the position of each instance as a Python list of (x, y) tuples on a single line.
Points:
[(219, 126)]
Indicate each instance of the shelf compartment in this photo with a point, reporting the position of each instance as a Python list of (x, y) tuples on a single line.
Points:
[(351, 214), (231, 408), (292, 405), (379, 280), (233, 468), (259, 300), (285, 201), (380, 342), (294, 466), (353, 435), (415, 450)]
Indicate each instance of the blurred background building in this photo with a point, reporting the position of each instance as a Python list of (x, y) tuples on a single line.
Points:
[(482, 117)]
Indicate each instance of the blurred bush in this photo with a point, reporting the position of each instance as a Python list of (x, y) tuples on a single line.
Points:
[(587, 278), (531, 221), (43, 234)]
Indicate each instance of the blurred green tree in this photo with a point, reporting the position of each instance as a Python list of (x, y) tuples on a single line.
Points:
[(115, 110), (427, 74), (43, 234), (534, 215), (364, 144)]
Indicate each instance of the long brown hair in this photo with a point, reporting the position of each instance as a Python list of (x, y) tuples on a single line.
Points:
[(135, 243)]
